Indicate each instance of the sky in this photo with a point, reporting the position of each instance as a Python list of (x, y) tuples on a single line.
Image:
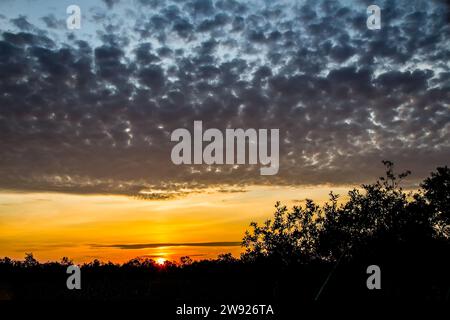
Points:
[(86, 115)]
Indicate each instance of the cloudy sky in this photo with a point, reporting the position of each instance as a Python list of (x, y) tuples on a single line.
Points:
[(90, 111)]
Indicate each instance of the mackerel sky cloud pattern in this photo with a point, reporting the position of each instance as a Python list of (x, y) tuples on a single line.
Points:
[(91, 110)]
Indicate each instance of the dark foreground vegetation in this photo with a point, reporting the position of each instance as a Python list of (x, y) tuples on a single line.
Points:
[(305, 253)]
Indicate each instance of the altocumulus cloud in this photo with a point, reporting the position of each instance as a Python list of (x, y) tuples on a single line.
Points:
[(91, 111)]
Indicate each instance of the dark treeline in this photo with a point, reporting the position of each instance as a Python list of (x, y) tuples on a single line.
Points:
[(304, 253)]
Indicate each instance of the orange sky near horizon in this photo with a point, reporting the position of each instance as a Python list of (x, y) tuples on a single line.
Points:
[(84, 227)]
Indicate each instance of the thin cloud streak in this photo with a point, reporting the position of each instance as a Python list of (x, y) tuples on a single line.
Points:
[(160, 245)]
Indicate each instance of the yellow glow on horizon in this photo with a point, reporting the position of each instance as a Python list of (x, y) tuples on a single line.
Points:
[(87, 227)]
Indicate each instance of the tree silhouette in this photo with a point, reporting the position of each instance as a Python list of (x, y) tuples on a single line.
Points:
[(436, 191), (288, 237), (30, 261), (185, 261), (375, 216)]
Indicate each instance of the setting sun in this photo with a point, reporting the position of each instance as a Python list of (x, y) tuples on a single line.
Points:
[(160, 261)]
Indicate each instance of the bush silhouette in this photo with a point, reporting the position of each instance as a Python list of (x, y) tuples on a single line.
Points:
[(376, 214)]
